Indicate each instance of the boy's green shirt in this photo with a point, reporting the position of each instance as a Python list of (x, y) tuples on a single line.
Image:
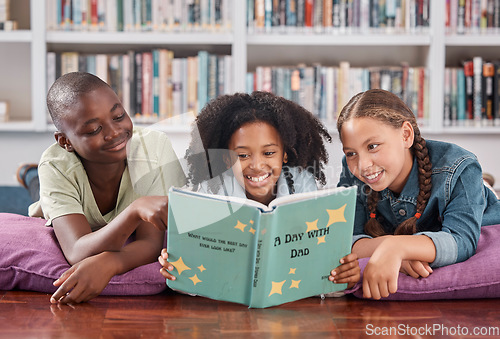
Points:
[(152, 168)]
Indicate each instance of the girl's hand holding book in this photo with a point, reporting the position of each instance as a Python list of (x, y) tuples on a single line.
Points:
[(166, 266), (348, 271)]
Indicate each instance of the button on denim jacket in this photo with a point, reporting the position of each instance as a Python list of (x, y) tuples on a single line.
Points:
[(458, 206)]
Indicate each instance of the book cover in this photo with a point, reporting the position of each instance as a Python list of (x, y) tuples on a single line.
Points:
[(241, 251)]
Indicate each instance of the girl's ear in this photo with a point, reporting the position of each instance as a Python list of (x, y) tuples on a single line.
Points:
[(285, 158), (63, 141), (408, 134)]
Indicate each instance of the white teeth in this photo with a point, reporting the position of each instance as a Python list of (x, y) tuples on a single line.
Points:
[(373, 176), (258, 179)]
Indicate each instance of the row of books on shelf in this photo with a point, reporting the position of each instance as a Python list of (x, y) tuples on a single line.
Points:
[(472, 94), (324, 90), (153, 85), (330, 16), (472, 16), (139, 15), (6, 24)]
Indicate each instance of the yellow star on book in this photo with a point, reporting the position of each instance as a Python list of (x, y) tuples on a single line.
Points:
[(292, 271), (251, 222), (321, 240), (311, 226), (180, 266), (295, 283), (277, 286), (336, 215), (195, 279), (241, 226), (201, 268), (252, 230)]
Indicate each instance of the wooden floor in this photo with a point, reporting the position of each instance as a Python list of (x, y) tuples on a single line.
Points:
[(30, 315)]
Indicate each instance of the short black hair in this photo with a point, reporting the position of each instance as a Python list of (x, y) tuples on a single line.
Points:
[(66, 90), (301, 132)]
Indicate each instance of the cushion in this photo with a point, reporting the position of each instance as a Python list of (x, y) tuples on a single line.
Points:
[(477, 277), (31, 259)]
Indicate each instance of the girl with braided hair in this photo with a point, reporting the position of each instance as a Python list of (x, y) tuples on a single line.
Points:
[(420, 203), (259, 146)]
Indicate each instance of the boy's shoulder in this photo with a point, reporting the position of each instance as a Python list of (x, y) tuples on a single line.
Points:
[(55, 154)]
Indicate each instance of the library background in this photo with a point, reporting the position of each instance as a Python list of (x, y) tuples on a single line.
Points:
[(167, 58)]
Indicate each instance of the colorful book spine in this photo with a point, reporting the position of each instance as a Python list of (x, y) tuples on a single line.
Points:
[(202, 78), (156, 83), (487, 100), (478, 74), (461, 115), (147, 85), (496, 96), (468, 67)]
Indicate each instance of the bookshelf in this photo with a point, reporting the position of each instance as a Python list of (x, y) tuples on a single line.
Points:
[(23, 66)]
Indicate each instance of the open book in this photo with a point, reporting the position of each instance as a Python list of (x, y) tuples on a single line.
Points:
[(239, 250)]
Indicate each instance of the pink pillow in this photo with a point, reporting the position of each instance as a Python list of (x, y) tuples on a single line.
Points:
[(477, 277), (31, 259)]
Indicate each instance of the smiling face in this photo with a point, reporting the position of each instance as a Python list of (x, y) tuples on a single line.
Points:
[(260, 151), (378, 154), (97, 128)]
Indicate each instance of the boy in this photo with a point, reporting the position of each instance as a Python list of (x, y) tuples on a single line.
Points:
[(99, 184)]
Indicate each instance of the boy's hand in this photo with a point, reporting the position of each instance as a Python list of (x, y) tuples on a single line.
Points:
[(166, 266), (84, 280), (416, 268), (153, 209), (348, 272)]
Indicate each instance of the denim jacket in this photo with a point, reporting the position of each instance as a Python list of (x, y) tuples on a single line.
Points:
[(458, 206)]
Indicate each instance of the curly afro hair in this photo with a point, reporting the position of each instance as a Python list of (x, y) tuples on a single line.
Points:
[(302, 134)]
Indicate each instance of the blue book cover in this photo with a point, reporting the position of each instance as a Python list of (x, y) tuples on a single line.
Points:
[(241, 251)]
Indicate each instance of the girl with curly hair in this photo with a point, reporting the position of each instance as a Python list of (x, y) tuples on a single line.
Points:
[(259, 146)]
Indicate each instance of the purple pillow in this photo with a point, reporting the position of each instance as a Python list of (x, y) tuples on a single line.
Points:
[(31, 259), (477, 277)]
